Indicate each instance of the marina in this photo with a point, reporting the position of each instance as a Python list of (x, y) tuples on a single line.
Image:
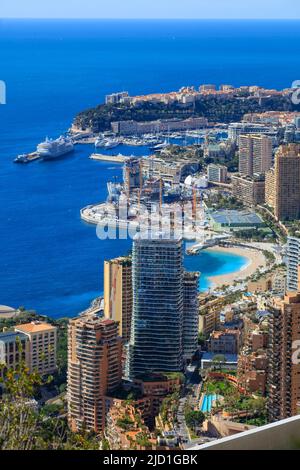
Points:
[(108, 141)]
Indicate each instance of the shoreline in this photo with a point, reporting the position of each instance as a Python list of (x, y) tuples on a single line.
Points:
[(255, 259)]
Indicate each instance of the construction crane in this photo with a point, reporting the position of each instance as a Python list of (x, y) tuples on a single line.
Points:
[(181, 202)]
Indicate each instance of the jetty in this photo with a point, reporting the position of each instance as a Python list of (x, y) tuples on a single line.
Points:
[(109, 158), (207, 242)]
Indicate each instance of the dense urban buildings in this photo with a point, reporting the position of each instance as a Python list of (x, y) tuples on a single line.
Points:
[(209, 315), (274, 282), (284, 366), (94, 370), (251, 191), (42, 346), (255, 154), (118, 293), (283, 183), (216, 173), (224, 342), (170, 171), (131, 352), (253, 361)]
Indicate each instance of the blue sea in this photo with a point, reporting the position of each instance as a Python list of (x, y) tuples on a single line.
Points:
[(50, 260)]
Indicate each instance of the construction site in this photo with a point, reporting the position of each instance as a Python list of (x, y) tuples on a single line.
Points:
[(157, 194)]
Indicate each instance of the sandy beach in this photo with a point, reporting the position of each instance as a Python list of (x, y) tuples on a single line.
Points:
[(255, 260)]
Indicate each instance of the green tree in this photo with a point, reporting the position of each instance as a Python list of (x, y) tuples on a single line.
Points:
[(194, 418), (23, 426)]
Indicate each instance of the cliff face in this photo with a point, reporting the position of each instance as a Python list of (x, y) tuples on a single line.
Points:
[(214, 108)]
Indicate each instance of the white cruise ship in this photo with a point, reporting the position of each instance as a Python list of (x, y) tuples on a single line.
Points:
[(51, 149)]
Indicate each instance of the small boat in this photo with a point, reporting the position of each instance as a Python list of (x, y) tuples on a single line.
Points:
[(106, 143), (160, 146), (111, 143), (100, 142)]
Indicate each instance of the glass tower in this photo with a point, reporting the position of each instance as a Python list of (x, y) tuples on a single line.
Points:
[(156, 342)]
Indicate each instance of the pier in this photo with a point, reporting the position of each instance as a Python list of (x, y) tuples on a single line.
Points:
[(109, 158), (207, 242)]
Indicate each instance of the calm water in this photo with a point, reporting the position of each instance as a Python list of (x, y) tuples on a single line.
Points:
[(50, 260)]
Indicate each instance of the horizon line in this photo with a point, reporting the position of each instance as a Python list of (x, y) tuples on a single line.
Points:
[(147, 19)]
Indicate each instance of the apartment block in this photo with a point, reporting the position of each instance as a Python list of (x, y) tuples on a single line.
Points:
[(255, 154), (190, 314), (253, 362), (94, 370), (283, 183), (118, 293), (284, 369), (252, 372), (249, 190), (270, 189), (209, 316), (14, 348), (216, 173), (293, 263), (157, 320), (42, 346), (164, 311), (224, 342)]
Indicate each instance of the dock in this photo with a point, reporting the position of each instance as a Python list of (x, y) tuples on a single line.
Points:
[(206, 243), (109, 158)]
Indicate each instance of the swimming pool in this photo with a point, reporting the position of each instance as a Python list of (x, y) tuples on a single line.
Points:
[(207, 403)]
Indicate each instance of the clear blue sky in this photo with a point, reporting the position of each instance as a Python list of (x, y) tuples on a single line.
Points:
[(270, 9)]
